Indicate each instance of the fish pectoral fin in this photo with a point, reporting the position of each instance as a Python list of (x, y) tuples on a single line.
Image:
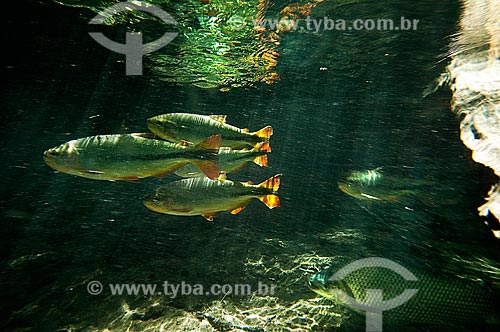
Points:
[(210, 165), (238, 209), (209, 168), (209, 216), (211, 143), (271, 201), (220, 118)]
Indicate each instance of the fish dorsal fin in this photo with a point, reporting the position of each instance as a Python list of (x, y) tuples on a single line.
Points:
[(246, 130), (220, 118), (249, 183)]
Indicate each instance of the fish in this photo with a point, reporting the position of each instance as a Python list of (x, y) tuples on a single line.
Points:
[(377, 185), (192, 128), (130, 157), (205, 197), (230, 160), (440, 298)]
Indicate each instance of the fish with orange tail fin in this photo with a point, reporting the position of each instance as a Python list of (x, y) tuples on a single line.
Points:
[(193, 128), (130, 157), (231, 160), (206, 197)]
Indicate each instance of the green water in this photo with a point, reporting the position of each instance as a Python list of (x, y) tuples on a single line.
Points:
[(366, 110)]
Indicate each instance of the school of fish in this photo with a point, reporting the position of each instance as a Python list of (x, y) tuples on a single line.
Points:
[(200, 148), (203, 149)]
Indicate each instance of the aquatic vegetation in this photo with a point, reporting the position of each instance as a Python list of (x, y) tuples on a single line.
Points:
[(220, 44)]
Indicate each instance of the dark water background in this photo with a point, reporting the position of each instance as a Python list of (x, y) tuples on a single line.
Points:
[(366, 110)]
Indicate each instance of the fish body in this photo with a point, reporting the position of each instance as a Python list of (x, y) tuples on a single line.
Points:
[(377, 185), (231, 160), (439, 299), (193, 128), (131, 157), (206, 197)]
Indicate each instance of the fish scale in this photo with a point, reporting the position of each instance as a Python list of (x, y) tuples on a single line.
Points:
[(439, 299)]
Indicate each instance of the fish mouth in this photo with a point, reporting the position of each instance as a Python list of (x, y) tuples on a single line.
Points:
[(153, 126), (153, 207), (316, 285), (339, 293), (320, 288), (344, 187), (49, 159)]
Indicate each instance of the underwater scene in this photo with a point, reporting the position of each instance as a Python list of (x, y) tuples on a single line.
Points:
[(250, 165)]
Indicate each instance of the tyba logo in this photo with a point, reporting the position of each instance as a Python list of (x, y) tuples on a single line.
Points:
[(374, 304), (133, 48)]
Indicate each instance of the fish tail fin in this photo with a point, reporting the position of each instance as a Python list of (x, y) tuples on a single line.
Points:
[(271, 201), (261, 160), (273, 183), (210, 164), (263, 146), (265, 132)]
